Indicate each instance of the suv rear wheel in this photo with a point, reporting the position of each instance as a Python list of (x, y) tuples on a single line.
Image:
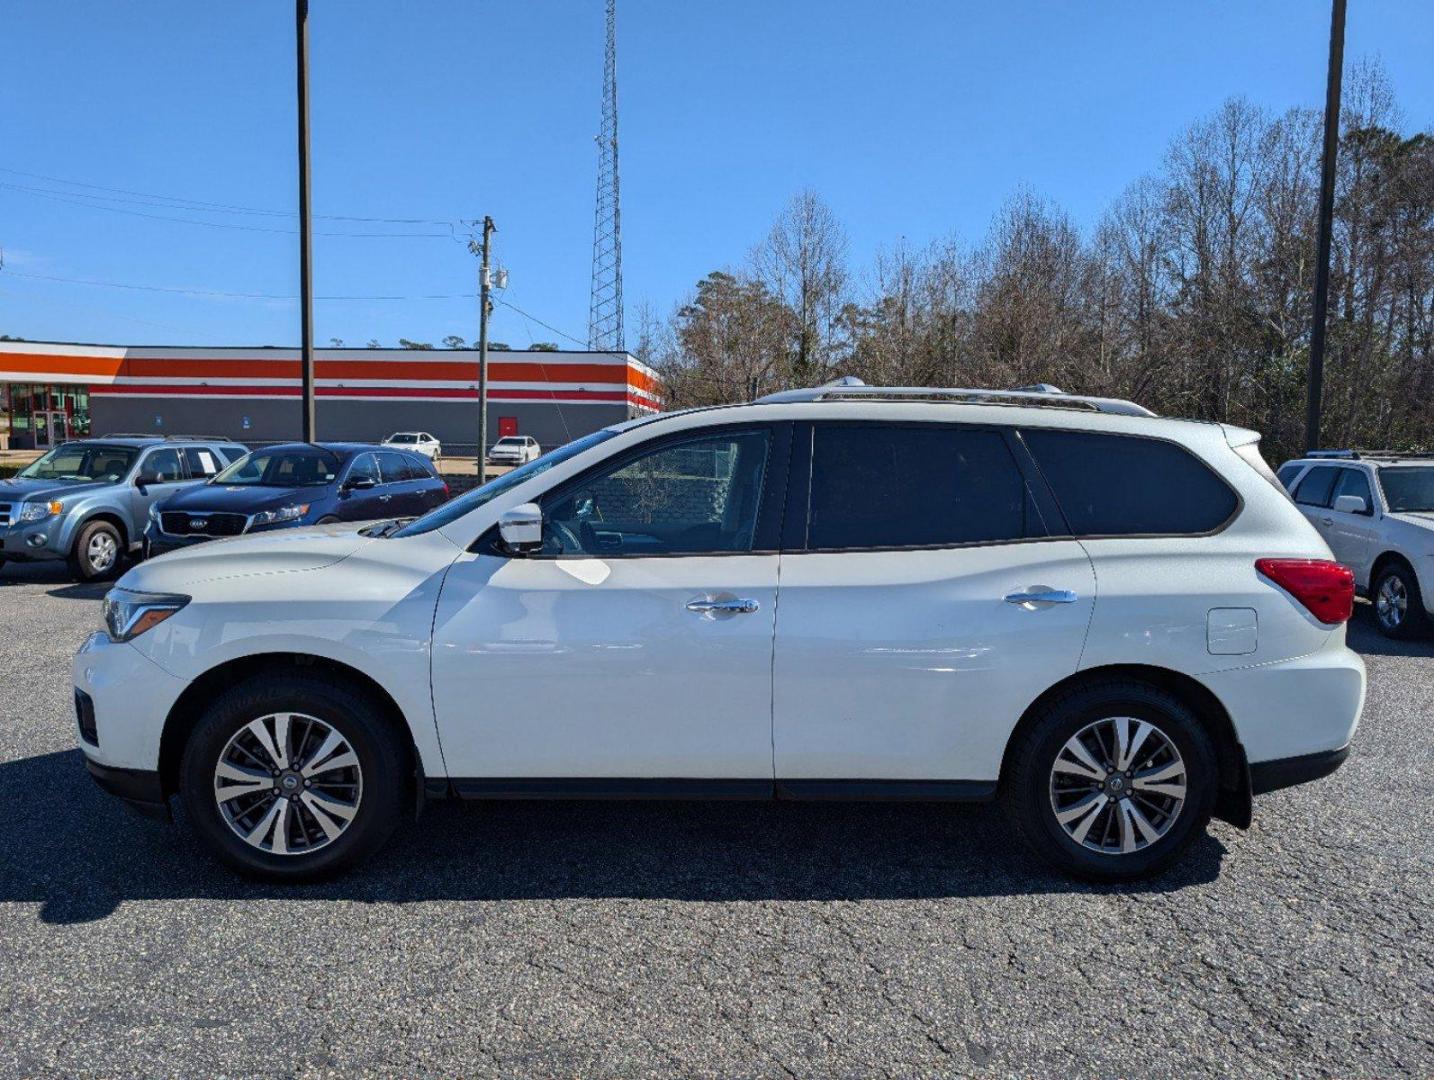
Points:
[(1112, 781), (1398, 605), (293, 777), (97, 551)]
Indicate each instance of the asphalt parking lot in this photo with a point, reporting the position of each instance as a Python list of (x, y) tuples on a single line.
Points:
[(608, 939)]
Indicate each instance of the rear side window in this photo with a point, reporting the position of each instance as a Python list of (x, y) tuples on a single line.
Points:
[(201, 461), (394, 467), (1317, 486), (1121, 485), (889, 486)]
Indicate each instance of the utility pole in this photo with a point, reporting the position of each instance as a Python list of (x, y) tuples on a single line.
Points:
[(485, 305), (1326, 225), (306, 285)]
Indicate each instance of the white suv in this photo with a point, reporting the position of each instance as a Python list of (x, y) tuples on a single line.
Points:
[(1116, 624), (1376, 512)]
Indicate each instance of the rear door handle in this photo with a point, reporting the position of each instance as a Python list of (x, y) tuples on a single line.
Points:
[(1040, 594), (384, 498), (704, 606), (1328, 521)]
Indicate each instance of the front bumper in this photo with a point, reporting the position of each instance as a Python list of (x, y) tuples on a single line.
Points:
[(157, 542), (33, 541), (140, 788), (131, 695)]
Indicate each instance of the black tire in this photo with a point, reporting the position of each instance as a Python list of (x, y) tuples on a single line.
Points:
[(327, 519), (1412, 622), (86, 556), (383, 757), (1026, 791)]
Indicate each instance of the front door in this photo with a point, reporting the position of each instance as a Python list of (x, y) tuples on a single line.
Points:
[(637, 645), (59, 428), (1354, 538), (923, 609)]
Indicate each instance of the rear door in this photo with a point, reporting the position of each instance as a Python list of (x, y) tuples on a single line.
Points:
[(1313, 495), (400, 491), (926, 597)]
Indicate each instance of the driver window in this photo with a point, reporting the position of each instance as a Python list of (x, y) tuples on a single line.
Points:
[(682, 499)]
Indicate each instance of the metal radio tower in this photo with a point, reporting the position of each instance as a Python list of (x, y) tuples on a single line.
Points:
[(605, 307)]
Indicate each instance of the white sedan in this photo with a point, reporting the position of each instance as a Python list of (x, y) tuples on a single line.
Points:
[(514, 450), (420, 442)]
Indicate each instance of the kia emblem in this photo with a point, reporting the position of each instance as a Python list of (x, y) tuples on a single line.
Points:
[(198, 523)]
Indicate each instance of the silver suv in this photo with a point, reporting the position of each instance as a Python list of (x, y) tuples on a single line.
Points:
[(88, 501), (1376, 513)]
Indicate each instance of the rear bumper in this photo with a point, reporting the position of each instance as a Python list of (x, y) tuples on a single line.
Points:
[(1268, 776), (140, 788)]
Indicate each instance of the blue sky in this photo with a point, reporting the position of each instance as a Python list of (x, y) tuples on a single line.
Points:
[(913, 119)]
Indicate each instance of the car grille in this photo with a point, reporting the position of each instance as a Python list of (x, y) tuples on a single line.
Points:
[(4, 513), (178, 523)]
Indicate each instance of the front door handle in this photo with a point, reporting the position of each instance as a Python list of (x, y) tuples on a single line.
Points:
[(1041, 594), (1328, 521), (384, 498), (704, 606)]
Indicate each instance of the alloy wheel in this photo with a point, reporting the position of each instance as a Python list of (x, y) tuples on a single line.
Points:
[(288, 784), (1117, 785), (101, 551), (1391, 602)]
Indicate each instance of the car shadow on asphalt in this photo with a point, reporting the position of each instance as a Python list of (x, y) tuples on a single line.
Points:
[(80, 854), (1364, 637)]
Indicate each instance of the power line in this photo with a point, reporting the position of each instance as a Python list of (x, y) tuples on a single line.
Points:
[(218, 292), (75, 199), (545, 326), (199, 204)]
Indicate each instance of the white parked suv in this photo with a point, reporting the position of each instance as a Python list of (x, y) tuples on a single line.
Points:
[(1376, 512), (420, 442), (1116, 624)]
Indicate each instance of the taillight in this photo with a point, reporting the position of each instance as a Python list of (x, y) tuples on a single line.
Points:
[(1324, 587)]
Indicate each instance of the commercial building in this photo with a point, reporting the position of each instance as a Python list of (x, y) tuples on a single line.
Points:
[(54, 391)]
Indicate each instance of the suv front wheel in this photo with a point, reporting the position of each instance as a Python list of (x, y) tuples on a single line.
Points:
[(1112, 781), (294, 777), (97, 551)]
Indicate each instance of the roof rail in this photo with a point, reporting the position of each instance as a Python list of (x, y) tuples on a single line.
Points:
[(1345, 454), (1042, 395)]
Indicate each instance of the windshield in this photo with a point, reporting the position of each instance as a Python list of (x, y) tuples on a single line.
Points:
[(1408, 489), (82, 461), (281, 468), (452, 511), (510, 440), (394, 439)]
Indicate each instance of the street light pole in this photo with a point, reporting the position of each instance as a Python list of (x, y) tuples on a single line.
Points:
[(485, 288), (1315, 388), (306, 286)]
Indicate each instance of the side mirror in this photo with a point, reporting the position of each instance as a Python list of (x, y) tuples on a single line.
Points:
[(144, 479), (1351, 504), (359, 483), (522, 528)]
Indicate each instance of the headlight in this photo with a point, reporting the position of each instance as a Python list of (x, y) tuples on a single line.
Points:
[(40, 511), (284, 513), (129, 614)]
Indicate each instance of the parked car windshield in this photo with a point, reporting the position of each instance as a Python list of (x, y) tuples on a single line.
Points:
[(403, 438), (281, 468), (78, 462), (1408, 489), (510, 440), (452, 511)]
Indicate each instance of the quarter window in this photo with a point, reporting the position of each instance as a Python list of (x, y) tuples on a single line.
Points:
[(1317, 488), (890, 486), (679, 499), (1122, 485), (1288, 473)]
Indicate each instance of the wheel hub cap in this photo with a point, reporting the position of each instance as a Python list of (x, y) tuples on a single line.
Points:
[(288, 784), (1117, 785)]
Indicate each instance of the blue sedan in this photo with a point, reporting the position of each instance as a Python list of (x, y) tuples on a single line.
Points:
[(297, 484)]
